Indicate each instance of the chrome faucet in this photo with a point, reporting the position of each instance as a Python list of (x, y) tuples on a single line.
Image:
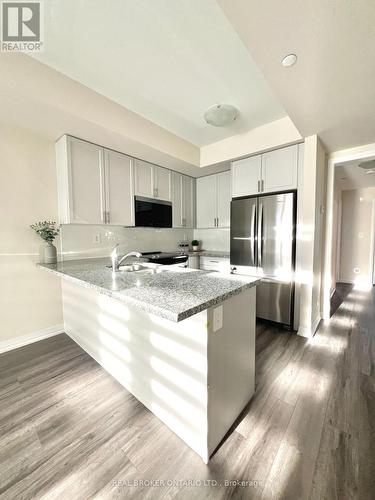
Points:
[(116, 260)]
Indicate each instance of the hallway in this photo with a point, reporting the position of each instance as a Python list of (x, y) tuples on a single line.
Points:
[(69, 430)]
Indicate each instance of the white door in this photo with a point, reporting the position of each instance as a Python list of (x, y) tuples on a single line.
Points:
[(177, 204), (119, 188), (188, 197), (163, 183), (206, 201), (223, 199), (144, 179), (86, 185), (246, 176), (279, 169)]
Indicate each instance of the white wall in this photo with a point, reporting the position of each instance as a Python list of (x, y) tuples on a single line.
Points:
[(273, 135), (336, 222), (213, 239), (310, 238), (356, 236), (30, 299)]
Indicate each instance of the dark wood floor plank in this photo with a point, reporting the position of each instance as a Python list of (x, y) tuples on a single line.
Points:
[(69, 430)]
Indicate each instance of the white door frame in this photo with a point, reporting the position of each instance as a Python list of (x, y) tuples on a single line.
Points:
[(357, 153)]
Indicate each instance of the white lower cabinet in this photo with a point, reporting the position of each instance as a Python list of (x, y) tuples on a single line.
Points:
[(219, 264)]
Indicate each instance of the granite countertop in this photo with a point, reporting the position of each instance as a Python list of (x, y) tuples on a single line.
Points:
[(174, 293), (210, 253)]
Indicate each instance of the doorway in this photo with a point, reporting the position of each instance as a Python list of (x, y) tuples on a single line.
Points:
[(350, 223)]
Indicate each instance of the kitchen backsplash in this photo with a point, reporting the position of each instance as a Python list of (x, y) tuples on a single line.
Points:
[(213, 239), (84, 241)]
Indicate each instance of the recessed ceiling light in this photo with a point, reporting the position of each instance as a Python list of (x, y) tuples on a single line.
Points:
[(289, 60), (221, 115)]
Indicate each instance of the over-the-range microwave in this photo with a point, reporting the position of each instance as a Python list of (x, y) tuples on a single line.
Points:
[(152, 213)]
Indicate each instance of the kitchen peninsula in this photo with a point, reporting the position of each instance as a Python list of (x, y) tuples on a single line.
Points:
[(182, 341)]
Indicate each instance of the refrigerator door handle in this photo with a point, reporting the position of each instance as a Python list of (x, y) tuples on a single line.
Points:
[(260, 235), (252, 234)]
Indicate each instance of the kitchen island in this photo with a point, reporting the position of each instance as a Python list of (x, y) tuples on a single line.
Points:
[(181, 341)]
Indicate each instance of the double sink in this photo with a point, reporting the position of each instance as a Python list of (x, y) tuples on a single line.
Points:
[(144, 268)]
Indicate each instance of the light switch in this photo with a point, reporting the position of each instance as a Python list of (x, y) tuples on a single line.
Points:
[(218, 318), (97, 238)]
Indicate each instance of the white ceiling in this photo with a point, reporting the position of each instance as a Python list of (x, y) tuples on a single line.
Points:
[(350, 176), (167, 60), (331, 89)]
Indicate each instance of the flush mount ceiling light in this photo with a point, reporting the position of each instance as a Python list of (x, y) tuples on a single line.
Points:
[(289, 60), (370, 172), (221, 115)]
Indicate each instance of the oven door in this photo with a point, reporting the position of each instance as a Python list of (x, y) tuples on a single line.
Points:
[(152, 213)]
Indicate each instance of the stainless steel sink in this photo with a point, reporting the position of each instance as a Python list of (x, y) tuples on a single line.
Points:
[(144, 268)]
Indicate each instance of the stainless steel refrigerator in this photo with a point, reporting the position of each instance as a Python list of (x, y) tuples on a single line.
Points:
[(263, 244)]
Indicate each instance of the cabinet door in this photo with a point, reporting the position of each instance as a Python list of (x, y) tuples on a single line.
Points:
[(223, 199), (177, 204), (279, 169), (144, 179), (188, 198), (86, 182), (163, 183), (119, 188), (206, 201), (246, 176)]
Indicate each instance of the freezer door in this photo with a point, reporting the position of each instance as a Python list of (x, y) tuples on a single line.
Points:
[(274, 301), (243, 232), (275, 236)]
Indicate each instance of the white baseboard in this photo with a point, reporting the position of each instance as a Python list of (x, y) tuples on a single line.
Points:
[(9, 345)]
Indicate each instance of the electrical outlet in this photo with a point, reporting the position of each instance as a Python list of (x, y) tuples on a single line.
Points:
[(218, 318), (356, 270), (97, 238)]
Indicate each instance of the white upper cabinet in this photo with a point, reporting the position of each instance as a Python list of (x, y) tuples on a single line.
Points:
[(206, 201), (223, 199), (152, 181), (246, 176), (95, 185), (80, 181), (144, 182), (119, 190), (177, 200), (269, 172), (183, 200), (188, 192), (279, 169), (162, 183), (213, 200)]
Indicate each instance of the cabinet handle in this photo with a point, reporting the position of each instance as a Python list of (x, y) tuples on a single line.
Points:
[(217, 222), (258, 186), (262, 184), (104, 217), (108, 217)]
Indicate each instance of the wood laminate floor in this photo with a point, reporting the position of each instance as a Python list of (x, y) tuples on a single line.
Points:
[(68, 430)]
